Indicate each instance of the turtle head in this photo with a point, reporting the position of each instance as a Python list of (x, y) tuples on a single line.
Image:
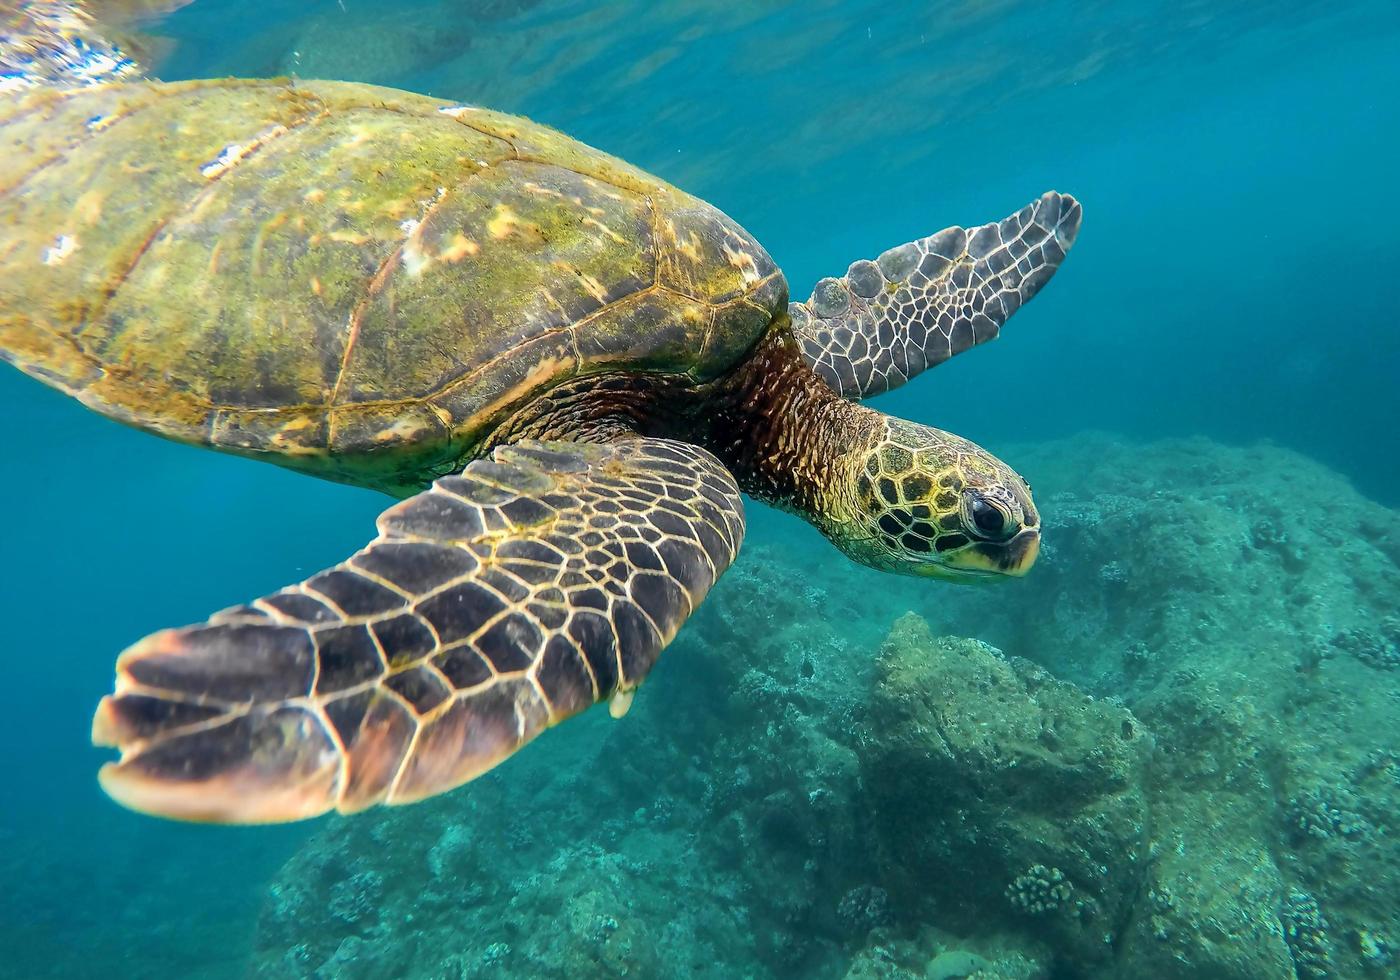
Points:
[(920, 501)]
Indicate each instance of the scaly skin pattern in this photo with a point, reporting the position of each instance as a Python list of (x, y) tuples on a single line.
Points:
[(490, 607), (353, 281), (925, 301), (891, 494), (914, 499)]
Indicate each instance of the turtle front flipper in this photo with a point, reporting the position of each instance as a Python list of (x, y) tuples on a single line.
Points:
[(490, 607), (922, 302)]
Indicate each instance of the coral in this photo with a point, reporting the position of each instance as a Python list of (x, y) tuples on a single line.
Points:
[(1040, 890), (1306, 932), (1114, 573), (357, 897), (1137, 655), (879, 962), (496, 954), (1371, 647), (862, 909), (1322, 813), (1376, 950), (1313, 653)]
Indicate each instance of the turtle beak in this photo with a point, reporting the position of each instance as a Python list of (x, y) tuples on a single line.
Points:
[(988, 559), (1021, 552)]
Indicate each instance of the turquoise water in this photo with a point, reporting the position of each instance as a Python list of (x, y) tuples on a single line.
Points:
[(1233, 284)]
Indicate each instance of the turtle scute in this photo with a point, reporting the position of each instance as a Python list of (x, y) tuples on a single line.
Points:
[(347, 280)]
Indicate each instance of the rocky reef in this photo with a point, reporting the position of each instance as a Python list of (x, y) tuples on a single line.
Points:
[(996, 787), (1173, 751)]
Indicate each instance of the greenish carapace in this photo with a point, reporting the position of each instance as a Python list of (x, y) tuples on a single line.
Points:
[(569, 368), (346, 279)]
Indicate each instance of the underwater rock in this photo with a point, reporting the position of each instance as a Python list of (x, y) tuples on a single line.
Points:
[(997, 787), (1210, 902), (932, 954)]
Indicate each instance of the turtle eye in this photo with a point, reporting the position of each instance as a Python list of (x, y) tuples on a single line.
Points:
[(989, 519)]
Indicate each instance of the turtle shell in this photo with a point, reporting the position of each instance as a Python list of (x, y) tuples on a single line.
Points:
[(346, 279)]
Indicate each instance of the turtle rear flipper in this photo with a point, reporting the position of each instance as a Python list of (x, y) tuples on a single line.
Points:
[(493, 605), (922, 302)]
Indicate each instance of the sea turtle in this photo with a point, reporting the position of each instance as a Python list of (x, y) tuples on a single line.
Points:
[(568, 368)]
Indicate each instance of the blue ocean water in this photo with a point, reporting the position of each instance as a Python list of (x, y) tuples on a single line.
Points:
[(1234, 280)]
